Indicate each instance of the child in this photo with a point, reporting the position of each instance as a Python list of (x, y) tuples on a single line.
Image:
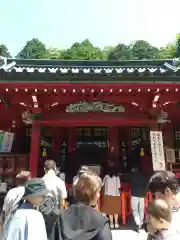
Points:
[(160, 217)]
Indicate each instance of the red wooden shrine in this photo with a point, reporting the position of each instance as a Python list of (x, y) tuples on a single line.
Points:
[(37, 96)]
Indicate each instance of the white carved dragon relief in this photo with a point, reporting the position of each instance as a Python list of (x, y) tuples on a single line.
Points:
[(97, 106), (5, 65), (175, 65), (27, 117), (162, 117)]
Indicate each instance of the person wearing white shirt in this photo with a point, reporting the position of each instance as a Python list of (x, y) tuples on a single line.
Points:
[(111, 199), (56, 187), (62, 176)]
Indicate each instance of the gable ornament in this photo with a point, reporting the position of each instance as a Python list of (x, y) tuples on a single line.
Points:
[(96, 106)]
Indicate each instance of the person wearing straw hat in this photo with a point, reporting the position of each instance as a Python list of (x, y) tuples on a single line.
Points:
[(24, 222)]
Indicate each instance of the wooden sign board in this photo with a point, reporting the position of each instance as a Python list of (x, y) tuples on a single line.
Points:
[(157, 150), (170, 155), (95, 168)]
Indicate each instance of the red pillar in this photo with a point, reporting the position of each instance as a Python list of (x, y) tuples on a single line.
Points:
[(35, 150)]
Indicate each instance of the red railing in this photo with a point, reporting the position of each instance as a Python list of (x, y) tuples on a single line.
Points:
[(125, 198)]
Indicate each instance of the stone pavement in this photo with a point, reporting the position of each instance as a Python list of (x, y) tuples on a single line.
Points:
[(128, 234), (124, 235)]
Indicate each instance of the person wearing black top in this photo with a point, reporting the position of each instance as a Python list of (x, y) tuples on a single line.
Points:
[(138, 184), (82, 221)]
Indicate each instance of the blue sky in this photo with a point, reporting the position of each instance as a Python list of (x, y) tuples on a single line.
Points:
[(59, 23)]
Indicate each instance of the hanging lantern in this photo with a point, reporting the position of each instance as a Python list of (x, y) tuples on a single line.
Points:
[(44, 153), (142, 152), (13, 124)]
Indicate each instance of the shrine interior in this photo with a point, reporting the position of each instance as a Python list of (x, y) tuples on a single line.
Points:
[(93, 146)]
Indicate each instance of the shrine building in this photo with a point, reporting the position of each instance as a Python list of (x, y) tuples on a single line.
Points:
[(89, 112)]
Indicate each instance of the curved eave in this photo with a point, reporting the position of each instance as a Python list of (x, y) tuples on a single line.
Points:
[(90, 63)]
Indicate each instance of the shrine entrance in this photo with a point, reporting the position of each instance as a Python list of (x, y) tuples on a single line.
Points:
[(92, 146), (89, 138)]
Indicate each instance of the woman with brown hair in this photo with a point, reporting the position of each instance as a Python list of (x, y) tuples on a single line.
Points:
[(111, 197), (82, 220)]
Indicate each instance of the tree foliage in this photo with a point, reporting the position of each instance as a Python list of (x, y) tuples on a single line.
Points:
[(167, 52), (34, 49), (178, 45), (54, 53), (143, 50), (120, 52), (4, 51), (85, 50)]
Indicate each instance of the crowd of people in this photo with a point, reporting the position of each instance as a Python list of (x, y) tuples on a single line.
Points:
[(38, 209)]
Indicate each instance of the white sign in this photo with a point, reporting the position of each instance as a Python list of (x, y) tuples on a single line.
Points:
[(95, 106), (101, 144), (3, 187), (95, 168), (157, 151), (7, 142)]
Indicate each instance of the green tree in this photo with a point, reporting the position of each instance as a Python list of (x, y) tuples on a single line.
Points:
[(4, 51), (178, 45), (106, 51), (143, 50), (120, 52), (34, 49), (167, 52), (54, 53), (83, 51)]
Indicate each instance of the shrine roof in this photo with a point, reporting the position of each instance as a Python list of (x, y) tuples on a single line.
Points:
[(88, 71)]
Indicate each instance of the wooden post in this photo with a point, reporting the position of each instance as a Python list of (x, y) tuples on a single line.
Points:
[(72, 141), (113, 139), (57, 139), (35, 150)]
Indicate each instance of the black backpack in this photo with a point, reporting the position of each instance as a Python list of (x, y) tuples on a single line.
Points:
[(51, 213)]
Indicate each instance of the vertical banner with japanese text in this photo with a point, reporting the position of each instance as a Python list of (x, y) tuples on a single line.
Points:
[(157, 151)]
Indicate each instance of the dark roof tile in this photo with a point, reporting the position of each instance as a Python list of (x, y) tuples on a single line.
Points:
[(54, 69)]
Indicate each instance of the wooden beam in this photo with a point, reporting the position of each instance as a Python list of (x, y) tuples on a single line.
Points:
[(52, 85)]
